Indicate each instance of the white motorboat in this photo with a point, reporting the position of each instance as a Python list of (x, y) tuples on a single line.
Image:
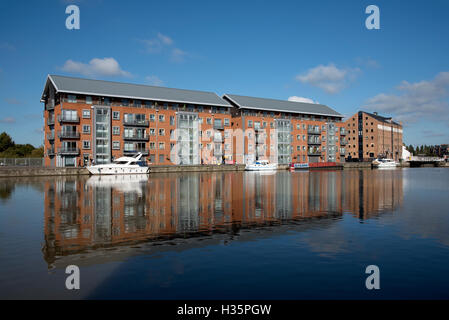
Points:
[(261, 165), (122, 165), (384, 163)]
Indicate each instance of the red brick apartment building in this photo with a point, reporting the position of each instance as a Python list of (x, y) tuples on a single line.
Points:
[(371, 135), (93, 121)]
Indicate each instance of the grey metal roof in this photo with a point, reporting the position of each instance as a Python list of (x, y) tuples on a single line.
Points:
[(133, 91), (281, 105), (381, 118)]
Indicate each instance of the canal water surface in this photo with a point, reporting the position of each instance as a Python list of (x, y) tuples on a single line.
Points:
[(234, 235)]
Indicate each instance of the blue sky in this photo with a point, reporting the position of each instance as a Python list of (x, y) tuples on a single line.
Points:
[(317, 50)]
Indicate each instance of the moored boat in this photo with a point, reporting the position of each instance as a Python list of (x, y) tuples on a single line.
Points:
[(122, 165), (384, 163), (261, 165)]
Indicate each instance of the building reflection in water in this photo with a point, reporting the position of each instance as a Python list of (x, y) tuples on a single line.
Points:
[(100, 212)]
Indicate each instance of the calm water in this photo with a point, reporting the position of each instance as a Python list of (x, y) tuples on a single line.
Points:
[(227, 235)]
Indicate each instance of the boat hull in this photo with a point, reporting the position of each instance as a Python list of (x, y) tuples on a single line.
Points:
[(269, 167), (107, 170)]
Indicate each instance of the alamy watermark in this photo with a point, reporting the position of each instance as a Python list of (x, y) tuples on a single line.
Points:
[(73, 280), (373, 280), (73, 20)]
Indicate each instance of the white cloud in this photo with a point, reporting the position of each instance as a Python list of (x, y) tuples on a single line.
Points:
[(329, 78), (165, 39), (414, 101), (8, 120), (165, 45), (178, 55), (301, 99), (154, 80), (96, 67)]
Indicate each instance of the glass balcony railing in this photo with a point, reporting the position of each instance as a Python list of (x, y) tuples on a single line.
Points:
[(68, 150), (68, 118), (136, 122), (137, 137), (68, 135)]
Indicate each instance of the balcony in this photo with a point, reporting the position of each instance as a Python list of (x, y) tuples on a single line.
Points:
[(49, 106), (136, 123), (51, 121), (51, 136), (137, 137), (51, 151), (68, 135), (259, 128), (132, 152), (311, 130), (342, 152), (68, 151), (218, 139), (218, 152), (314, 152), (218, 126), (68, 118), (342, 131), (314, 141), (343, 142)]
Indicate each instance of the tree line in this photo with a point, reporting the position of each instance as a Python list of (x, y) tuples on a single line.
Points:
[(10, 149), (430, 151)]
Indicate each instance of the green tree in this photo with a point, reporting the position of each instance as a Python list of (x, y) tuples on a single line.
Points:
[(5, 141)]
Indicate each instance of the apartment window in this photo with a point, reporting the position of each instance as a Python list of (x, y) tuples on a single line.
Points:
[(125, 102), (208, 133), (116, 131), (152, 131), (250, 147), (298, 126), (303, 148), (303, 137), (162, 132), (86, 128), (71, 98), (161, 145), (86, 114), (161, 118), (116, 145), (116, 115), (200, 120), (272, 125), (226, 122), (88, 100), (226, 146), (250, 123), (209, 146), (137, 103), (106, 101), (172, 120), (298, 137), (161, 158), (152, 117), (152, 145), (209, 121), (86, 144)]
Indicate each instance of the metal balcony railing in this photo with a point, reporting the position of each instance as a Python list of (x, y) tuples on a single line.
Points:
[(50, 106), (68, 151), (343, 142), (342, 131), (314, 152), (51, 136), (137, 137), (311, 130), (218, 126), (68, 135), (50, 121), (218, 139), (313, 141), (51, 151), (67, 118), (135, 151), (135, 122)]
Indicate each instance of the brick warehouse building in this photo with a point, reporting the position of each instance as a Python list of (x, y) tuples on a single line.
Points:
[(371, 135), (98, 120)]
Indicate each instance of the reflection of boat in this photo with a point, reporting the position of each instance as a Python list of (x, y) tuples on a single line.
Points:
[(261, 165), (123, 183), (122, 165), (384, 163)]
